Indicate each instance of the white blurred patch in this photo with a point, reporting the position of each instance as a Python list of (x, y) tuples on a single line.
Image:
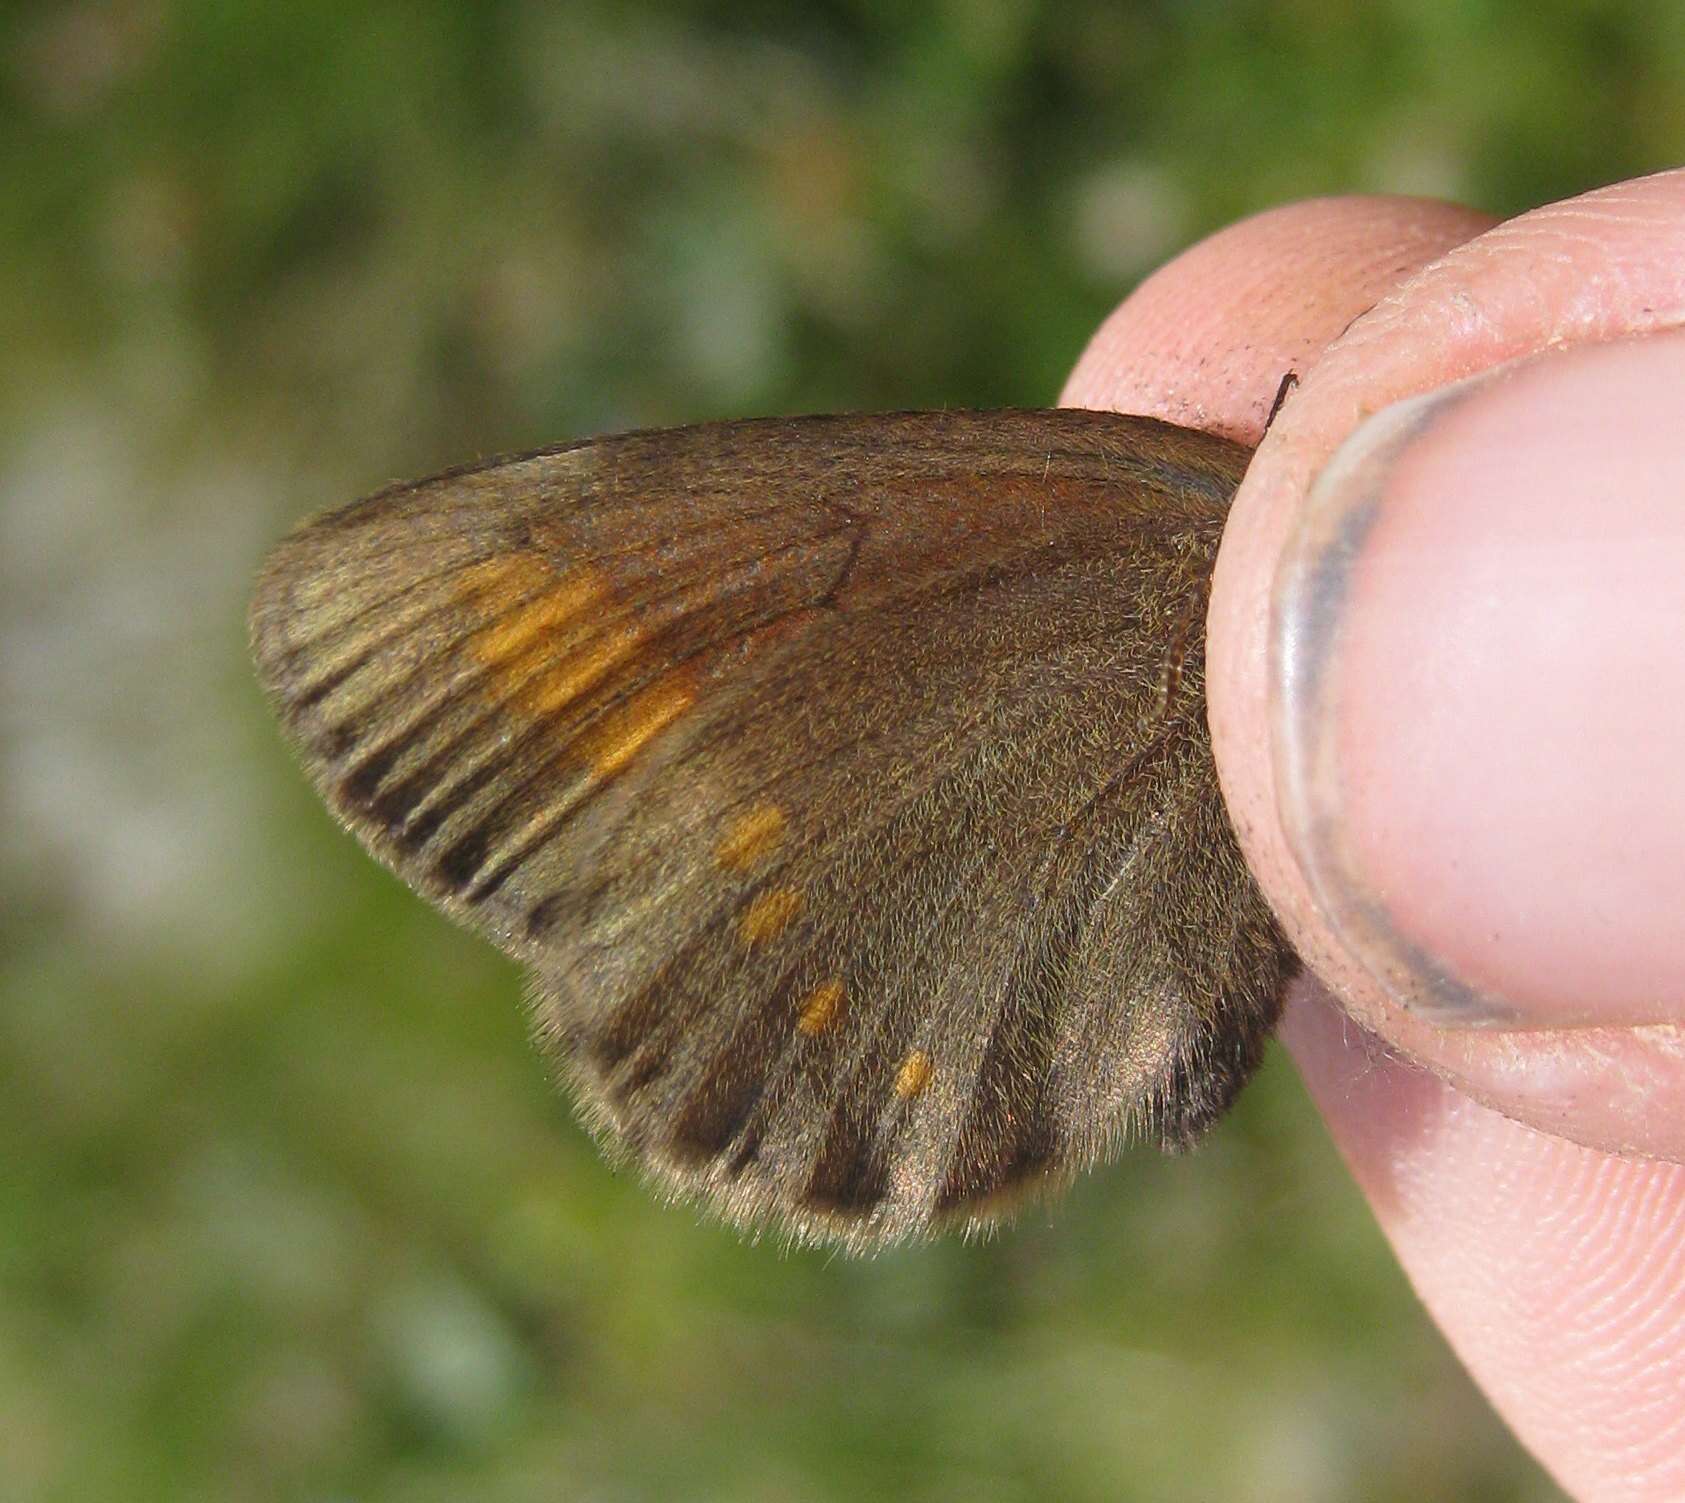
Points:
[(126, 716), (451, 1355), (1127, 218)]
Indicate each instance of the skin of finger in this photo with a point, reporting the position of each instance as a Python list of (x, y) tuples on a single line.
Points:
[(1456, 1188), (1556, 1272), (1607, 265), (1206, 340)]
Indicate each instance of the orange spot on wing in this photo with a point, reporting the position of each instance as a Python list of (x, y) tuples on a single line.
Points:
[(820, 1010), (561, 684), (620, 735), (914, 1075), (769, 915), (520, 599), (751, 836)]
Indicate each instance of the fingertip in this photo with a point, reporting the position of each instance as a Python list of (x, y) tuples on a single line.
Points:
[(1479, 697), (1608, 265), (1206, 340)]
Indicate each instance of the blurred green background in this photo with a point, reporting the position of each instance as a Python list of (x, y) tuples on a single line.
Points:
[(289, 1209)]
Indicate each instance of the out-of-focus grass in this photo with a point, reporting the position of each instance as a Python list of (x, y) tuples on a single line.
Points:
[(289, 1210)]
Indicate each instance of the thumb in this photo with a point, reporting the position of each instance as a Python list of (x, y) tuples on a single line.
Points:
[(1447, 658), (1479, 693)]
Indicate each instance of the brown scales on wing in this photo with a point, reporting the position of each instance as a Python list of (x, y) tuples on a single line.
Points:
[(802, 761)]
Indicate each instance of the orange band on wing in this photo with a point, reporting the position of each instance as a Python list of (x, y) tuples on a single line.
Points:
[(620, 735), (820, 1010), (914, 1075), (559, 686), (752, 835), (769, 915), (520, 598)]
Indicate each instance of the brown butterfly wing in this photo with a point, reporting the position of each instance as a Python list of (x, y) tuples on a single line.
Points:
[(844, 781)]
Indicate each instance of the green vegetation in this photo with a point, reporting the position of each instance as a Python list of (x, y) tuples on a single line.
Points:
[(288, 1209)]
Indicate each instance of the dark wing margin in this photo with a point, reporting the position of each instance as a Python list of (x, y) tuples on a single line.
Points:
[(844, 782)]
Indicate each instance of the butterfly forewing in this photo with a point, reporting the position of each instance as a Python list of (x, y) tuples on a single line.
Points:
[(844, 782)]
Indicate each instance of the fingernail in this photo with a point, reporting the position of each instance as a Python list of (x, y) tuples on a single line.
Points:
[(1478, 692)]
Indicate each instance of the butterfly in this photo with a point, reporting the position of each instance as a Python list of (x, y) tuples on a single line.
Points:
[(843, 783)]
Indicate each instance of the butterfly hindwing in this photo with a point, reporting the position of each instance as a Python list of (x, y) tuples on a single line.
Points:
[(844, 782)]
